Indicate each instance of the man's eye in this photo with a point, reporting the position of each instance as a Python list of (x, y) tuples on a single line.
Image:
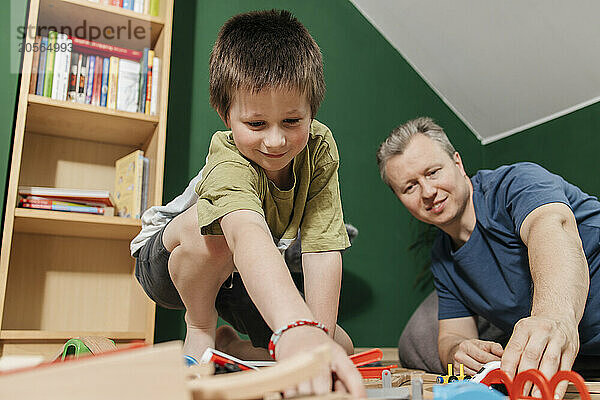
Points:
[(435, 171), (291, 121), (255, 124), (409, 189)]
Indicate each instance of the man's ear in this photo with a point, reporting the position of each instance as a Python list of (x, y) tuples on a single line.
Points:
[(459, 163)]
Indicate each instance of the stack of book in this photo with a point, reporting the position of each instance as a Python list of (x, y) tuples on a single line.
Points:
[(131, 184), (141, 6), (71, 200), (82, 71)]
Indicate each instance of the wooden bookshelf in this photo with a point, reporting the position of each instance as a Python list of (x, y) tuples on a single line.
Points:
[(64, 274), (88, 122), (45, 222)]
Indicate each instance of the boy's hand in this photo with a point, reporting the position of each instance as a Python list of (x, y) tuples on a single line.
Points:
[(305, 338)]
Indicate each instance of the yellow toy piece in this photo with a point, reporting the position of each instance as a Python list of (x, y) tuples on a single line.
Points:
[(444, 379)]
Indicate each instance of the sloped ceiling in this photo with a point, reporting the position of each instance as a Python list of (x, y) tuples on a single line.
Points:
[(501, 66)]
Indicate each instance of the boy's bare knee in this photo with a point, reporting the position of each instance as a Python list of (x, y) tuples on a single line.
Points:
[(201, 259)]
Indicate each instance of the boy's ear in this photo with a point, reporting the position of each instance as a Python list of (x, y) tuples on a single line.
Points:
[(225, 119)]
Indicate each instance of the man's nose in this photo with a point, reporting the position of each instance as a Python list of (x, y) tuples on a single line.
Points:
[(274, 138), (428, 191)]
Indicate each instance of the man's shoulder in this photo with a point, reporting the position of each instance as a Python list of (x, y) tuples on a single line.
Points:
[(507, 174)]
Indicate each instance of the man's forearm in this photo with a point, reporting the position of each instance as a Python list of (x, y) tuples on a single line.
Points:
[(559, 269)]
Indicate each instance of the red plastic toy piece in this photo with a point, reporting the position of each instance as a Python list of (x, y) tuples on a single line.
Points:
[(367, 357), (374, 372)]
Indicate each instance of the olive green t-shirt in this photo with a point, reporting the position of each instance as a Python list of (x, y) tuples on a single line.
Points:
[(231, 182)]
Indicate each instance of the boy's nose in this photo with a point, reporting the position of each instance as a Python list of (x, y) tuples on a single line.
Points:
[(274, 139)]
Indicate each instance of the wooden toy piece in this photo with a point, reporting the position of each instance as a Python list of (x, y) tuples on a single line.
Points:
[(255, 384), (147, 373)]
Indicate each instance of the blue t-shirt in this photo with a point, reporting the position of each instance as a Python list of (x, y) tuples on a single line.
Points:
[(489, 275)]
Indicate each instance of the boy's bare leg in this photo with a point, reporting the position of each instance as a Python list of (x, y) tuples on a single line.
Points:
[(228, 341), (198, 266)]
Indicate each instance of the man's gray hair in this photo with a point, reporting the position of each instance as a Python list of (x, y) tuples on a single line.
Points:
[(400, 137)]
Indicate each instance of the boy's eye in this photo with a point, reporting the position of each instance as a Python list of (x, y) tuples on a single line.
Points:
[(291, 121), (255, 124)]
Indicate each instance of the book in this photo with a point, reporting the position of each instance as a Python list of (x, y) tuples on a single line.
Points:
[(82, 76), (145, 179), (154, 6), (143, 81), (61, 68), (146, 6), (90, 79), (35, 65), (113, 76), (104, 89), (97, 81), (39, 89), (138, 6), (50, 56), (128, 184), (154, 91), (87, 196), (72, 89), (128, 86), (60, 207), (149, 82), (128, 4), (104, 50)]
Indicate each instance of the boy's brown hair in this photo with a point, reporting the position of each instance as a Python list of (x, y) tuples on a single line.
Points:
[(265, 50)]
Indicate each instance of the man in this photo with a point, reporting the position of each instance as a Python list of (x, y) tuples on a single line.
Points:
[(518, 246)]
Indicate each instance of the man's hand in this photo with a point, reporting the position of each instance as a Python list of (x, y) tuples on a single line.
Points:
[(474, 353), (544, 343), (305, 338)]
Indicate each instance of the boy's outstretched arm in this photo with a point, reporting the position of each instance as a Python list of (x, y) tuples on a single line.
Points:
[(272, 290), (322, 284)]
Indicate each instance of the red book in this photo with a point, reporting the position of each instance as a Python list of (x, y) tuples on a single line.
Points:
[(118, 3), (97, 81), (104, 50)]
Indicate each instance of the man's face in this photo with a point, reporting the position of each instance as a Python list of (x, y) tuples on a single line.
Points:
[(432, 186), (270, 127)]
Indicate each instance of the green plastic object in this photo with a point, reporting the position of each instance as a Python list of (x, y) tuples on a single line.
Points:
[(74, 348)]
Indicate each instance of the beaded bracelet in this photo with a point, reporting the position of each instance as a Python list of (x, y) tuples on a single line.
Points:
[(301, 322)]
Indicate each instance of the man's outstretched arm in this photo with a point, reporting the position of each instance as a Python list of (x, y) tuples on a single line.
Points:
[(549, 339)]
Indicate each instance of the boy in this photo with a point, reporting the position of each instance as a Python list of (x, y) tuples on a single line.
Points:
[(271, 177)]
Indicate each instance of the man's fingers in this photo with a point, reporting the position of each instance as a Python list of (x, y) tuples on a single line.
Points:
[(496, 349), (566, 362), (471, 365), (512, 352)]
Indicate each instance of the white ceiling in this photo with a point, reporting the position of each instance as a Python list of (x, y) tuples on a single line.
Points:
[(501, 66)]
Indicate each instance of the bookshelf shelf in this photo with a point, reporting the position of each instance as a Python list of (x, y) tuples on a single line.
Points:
[(88, 122), (59, 223), (67, 12), (31, 335)]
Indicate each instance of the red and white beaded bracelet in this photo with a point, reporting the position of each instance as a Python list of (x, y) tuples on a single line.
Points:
[(301, 322)]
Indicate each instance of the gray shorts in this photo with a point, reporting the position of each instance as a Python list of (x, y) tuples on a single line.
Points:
[(232, 303)]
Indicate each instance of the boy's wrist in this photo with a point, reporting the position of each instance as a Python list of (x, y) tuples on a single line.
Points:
[(298, 325)]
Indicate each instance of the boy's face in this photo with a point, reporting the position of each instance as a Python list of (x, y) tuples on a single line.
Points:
[(270, 128)]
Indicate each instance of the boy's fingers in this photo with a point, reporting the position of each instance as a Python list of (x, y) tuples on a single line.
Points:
[(351, 378), (321, 384), (339, 387), (291, 392)]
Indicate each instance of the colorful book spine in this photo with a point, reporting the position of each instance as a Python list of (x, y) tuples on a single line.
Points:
[(97, 81), (128, 4), (35, 65), (128, 86), (154, 7), (105, 50), (146, 6), (138, 6), (149, 82), (50, 56), (60, 207), (39, 89), (113, 76), (82, 76), (66, 70), (105, 73), (155, 80), (90, 79), (143, 82), (73, 84)]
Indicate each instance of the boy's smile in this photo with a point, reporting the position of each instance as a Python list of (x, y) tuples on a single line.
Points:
[(270, 127)]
